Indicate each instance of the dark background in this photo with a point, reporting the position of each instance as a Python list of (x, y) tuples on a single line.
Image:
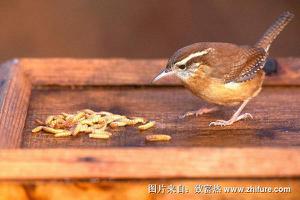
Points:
[(137, 28)]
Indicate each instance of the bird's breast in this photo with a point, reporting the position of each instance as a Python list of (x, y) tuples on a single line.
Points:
[(216, 91)]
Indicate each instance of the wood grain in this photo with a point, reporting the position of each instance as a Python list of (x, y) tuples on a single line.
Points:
[(164, 105), (14, 98), (149, 163), (267, 146), (136, 189), (126, 72), (288, 73)]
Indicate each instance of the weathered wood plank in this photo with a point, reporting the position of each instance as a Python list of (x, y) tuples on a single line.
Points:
[(271, 139), (16, 89), (288, 73), (91, 71), (14, 98), (149, 163), (275, 123), (126, 72)]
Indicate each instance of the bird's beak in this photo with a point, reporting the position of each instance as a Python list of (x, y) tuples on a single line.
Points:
[(163, 73)]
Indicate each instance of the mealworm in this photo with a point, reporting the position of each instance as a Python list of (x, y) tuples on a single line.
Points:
[(88, 111), (78, 116), (37, 129), (104, 113), (63, 134), (139, 120), (99, 126), (118, 124), (52, 130), (65, 114), (77, 129), (112, 118), (88, 121), (135, 121), (158, 137), (146, 126), (103, 135), (85, 128), (49, 119)]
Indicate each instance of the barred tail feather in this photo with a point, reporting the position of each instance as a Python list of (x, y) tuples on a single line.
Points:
[(274, 30)]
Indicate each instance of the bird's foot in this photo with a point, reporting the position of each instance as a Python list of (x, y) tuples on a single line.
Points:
[(199, 112), (231, 121)]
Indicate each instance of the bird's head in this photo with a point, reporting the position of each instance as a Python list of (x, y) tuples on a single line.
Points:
[(184, 63)]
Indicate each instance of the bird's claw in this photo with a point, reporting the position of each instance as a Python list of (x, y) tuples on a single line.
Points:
[(244, 116), (199, 112), (187, 114), (190, 113), (220, 123), (231, 121)]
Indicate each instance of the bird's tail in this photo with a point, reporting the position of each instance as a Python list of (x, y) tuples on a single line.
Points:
[(274, 30)]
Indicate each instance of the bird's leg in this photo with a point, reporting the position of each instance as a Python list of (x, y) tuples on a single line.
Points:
[(235, 117), (199, 112)]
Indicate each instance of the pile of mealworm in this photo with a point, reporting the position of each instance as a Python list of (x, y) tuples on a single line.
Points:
[(93, 123)]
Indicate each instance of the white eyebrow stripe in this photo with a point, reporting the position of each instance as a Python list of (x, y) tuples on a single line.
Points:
[(193, 55)]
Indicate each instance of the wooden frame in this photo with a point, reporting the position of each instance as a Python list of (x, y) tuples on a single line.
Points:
[(17, 77)]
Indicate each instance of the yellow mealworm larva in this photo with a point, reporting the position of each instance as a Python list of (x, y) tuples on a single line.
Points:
[(49, 119), (118, 124), (88, 111), (37, 129), (57, 123), (87, 122), (65, 114), (136, 120), (69, 117), (63, 134), (78, 116), (59, 116), (158, 137), (99, 126), (105, 113), (52, 130), (99, 136), (92, 120), (59, 120), (77, 129), (146, 126), (97, 119), (86, 129), (140, 120), (52, 124), (82, 118), (112, 118)]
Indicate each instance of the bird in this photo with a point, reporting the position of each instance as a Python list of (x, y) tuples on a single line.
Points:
[(224, 74)]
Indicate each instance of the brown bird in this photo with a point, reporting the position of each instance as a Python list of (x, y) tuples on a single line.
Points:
[(224, 73)]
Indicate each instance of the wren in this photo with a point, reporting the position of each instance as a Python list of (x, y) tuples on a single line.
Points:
[(223, 73)]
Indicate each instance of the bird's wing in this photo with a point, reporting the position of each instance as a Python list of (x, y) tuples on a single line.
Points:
[(251, 61), (237, 64)]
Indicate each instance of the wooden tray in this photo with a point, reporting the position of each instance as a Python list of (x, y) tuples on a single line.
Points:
[(267, 146)]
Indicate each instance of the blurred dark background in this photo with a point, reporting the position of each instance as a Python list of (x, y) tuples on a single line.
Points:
[(136, 28)]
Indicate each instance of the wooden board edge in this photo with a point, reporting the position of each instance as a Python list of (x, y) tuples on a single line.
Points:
[(141, 163), (92, 72), (14, 95), (288, 73), (121, 71)]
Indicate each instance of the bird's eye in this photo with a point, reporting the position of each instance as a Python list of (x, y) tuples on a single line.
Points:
[(181, 66)]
